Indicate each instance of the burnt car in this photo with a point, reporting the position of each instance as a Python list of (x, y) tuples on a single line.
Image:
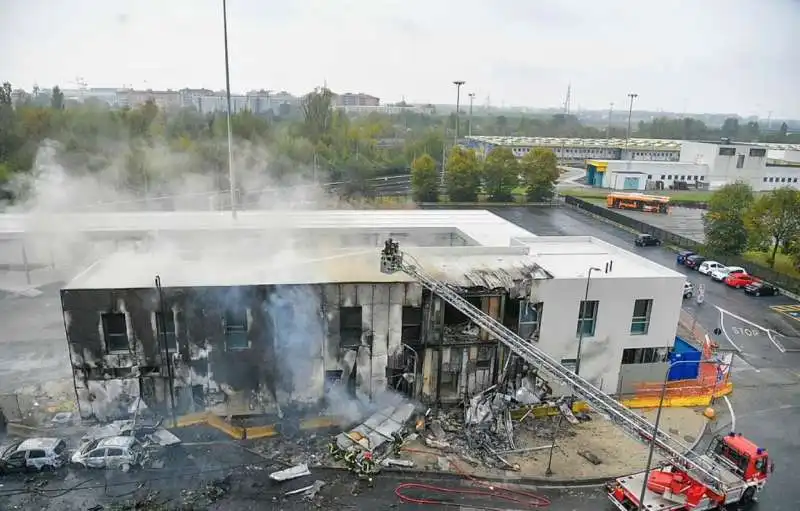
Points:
[(760, 288)]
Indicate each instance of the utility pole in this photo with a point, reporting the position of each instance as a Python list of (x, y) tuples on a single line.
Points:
[(471, 99), (458, 84), (608, 128), (632, 96), (231, 176)]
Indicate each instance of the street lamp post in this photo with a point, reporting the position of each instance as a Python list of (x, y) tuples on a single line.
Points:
[(632, 96), (231, 176), (458, 84), (583, 319), (471, 99), (658, 420), (610, 112)]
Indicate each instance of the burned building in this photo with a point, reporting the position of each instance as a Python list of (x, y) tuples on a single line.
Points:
[(268, 324)]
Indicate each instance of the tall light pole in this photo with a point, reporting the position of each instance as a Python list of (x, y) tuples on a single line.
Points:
[(471, 99), (632, 96), (658, 420), (458, 84), (610, 112), (231, 176), (583, 319)]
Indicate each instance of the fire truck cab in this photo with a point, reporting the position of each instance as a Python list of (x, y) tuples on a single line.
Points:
[(743, 468)]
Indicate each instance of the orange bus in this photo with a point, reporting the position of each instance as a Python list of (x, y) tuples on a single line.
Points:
[(639, 202)]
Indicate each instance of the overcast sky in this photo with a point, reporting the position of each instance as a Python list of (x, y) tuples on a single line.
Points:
[(681, 55)]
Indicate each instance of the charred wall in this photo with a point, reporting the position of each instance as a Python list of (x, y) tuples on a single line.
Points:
[(293, 340)]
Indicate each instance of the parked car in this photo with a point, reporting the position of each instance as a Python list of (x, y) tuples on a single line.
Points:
[(120, 452), (688, 289), (646, 240), (34, 454), (682, 255), (761, 288), (709, 266), (739, 280), (720, 274), (694, 261)]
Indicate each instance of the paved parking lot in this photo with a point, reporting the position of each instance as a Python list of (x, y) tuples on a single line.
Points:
[(687, 222)]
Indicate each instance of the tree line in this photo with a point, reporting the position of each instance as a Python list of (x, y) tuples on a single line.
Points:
[(499, 176), (738, 220)]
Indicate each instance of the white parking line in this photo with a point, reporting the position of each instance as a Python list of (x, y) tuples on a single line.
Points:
[(722, 327), (722, 313), (730, 410)]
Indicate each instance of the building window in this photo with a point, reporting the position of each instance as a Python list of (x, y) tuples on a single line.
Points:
[(795, 180), (669, 177), (350, 328), (412, 324), (530, 315), (740, 162), (649, 176), (758, 152), (166, 321), (236, 329), (115, 331), (765, 180), (696, 178), (702, 178), (663, 177), (783, 180), (569, 363), (727, 151), (640, 323), (587, 317), (644, 355)]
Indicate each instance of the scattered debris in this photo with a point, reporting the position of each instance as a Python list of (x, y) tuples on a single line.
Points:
[(309, 492), (206, 495), (290, 473), (396, 462), (591, 458)]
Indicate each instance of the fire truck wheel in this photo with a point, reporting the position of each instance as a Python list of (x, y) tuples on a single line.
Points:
[(748, 495)]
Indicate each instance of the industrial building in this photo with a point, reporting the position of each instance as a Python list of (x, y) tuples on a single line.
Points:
[(702, 165), (577, 150), (281, 309)]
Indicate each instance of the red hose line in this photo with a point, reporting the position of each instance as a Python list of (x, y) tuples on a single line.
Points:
[(527, 499)]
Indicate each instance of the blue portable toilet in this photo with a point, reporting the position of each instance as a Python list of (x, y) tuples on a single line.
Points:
[(689, 356)]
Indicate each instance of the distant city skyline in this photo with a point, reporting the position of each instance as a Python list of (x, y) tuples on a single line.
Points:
[(685, 58)]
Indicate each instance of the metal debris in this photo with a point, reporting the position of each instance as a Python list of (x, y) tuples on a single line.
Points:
[(309, 492), (396, 462), (290, 473)]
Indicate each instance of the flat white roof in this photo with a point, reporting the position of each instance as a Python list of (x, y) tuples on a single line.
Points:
[(483, 227), (526, 257), (642, 144)]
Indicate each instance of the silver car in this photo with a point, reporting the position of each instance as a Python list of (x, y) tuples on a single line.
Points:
[(116, 452), (34, 454)]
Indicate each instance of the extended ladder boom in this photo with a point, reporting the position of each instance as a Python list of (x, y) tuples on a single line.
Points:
[(704, 469)]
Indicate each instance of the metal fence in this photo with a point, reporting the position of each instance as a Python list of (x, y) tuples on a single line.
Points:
[(779, 279)]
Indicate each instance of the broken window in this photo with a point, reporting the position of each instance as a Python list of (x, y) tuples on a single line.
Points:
[(167, 322), (587, 317), (640, 323), (412, 324), (569, 363), (236, 329), (529, 320), (115, 331), (350, 328)]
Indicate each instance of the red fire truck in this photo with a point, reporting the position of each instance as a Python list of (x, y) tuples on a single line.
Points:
[(743, 469)]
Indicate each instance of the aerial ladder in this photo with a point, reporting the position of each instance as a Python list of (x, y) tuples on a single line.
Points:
[(710, 471)]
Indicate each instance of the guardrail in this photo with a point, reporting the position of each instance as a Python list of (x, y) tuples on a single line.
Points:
[(781, 280)]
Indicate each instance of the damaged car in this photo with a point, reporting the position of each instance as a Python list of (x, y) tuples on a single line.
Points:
[(116, 452), (42, 454)]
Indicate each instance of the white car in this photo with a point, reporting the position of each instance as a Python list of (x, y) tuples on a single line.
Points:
[(707, 267), (688, 289), (122, 452), (34, 454), (720, 274)]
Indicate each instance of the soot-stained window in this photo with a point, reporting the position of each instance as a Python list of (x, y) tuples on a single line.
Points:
[(350, 328), (412, 324), (115, 331), (236, 329)]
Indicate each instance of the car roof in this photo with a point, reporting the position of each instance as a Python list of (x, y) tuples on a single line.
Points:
[(644, 235), (38, 443), (116, 441), (696, 256), (733, 268)]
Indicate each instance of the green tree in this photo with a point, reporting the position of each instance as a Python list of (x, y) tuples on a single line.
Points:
[(424, 179), (724, 225), (317, 113), (540, 173), (57, 99), (463, 175), (500, 174), (774, 219)]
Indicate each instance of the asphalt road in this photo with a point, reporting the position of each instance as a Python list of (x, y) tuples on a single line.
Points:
[(766, 397)]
